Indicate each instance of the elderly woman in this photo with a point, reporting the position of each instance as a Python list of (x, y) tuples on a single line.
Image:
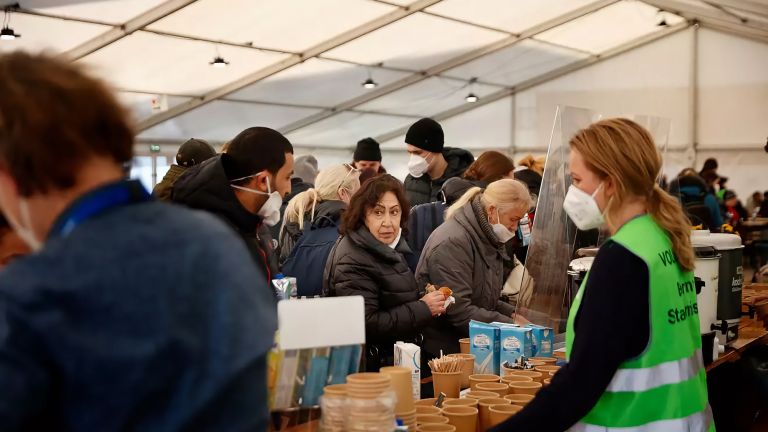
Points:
[(466, 253), (368, 261)]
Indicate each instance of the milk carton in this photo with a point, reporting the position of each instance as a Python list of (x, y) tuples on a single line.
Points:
[(409, 355), (543, 340), (484, 345), (514, 342)]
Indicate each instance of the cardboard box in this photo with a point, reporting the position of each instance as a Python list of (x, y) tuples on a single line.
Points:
[(514, 342), (484, 345)]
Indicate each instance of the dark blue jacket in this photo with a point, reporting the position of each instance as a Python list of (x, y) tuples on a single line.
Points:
[(145, 318)]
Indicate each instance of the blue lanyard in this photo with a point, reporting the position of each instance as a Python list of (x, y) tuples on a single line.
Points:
[(99, 201)]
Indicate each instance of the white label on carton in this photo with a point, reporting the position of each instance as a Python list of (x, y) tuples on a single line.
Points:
[(409, 355)]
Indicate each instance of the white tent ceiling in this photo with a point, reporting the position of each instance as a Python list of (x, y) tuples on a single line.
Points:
[(298, 65)]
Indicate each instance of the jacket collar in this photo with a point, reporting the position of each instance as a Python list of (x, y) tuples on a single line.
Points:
[(475, 220), (363, 238)]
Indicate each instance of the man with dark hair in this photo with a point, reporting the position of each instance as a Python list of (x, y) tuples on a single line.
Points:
[(368, 156), (244, 187), (194, 151), (431, 163), (130, 314), (11, 245)]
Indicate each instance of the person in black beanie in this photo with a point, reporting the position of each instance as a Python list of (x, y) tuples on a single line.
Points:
[(431, 163), (368, 156), (194, 151)]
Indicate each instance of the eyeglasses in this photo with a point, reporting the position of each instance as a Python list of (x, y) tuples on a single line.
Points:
[(351, 170)]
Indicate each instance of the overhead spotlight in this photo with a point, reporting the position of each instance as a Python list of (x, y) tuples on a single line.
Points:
[(471, 97), (663, 22), (219, 62), (7, 32), (369, 84)]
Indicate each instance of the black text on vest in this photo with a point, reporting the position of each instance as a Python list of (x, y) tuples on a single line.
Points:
[(667, 258)]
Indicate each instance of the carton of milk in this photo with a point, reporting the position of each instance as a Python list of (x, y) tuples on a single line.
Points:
[(409, 355), (484, 345), (543, 340), (514, 342)]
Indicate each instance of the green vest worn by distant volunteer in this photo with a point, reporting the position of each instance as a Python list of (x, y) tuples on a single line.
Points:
[(664, 388)]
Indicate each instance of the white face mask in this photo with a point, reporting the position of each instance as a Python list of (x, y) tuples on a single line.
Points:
[(270, 210), (24, 228), (502, 232), (397, 239), (417, 166), (582, 208)]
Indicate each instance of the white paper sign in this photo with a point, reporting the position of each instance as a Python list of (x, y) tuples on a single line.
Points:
[(321, 322)]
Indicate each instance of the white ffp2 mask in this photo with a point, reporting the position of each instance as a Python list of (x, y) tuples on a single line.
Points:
[(417, 166), (502, 232), (270, 210), (582, 208)]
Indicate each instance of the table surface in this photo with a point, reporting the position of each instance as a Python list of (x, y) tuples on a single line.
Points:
[(734, 350)]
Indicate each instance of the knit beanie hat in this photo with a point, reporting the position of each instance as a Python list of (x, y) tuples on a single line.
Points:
[(426, 134), (305, 168), (367, 150)]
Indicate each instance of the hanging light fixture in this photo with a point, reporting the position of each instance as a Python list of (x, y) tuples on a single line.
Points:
[(471, 97), (369, 84), (7, 33), (663, 22), (218, 60)]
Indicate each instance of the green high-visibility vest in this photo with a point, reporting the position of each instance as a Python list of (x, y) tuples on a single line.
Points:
[(665, 387)]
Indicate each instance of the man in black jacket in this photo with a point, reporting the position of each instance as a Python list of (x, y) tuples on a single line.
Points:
[(431, 163), (194, 151), (245, 187)]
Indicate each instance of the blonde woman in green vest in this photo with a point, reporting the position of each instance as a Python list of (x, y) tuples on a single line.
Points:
[(633, 343)]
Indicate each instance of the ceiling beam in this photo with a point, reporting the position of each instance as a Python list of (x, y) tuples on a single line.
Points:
[(542, 79), (759, 7), (288, 62), (116, 33), (717, 16), (449, 64), (737, 31)]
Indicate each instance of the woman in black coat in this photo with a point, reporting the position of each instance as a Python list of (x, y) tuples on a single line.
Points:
[(368, 261)]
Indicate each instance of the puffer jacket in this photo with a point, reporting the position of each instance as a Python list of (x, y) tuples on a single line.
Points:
[(465, 255), (206, 187), (425, 189), (162, 190), (362, 265)]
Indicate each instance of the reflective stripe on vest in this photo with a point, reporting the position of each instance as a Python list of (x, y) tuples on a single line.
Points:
[(643, 379), (701, 421)]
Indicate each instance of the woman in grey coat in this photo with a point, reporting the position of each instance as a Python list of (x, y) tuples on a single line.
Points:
[(466, 254)]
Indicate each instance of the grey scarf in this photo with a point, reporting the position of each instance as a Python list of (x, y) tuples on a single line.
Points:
[(482, 221)]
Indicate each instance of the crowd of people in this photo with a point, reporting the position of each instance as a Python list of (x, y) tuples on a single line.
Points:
[(709, 203), (141, 313)]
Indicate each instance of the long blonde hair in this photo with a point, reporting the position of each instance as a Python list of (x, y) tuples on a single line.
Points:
[(504, 193), (328, 184), (625, 152)]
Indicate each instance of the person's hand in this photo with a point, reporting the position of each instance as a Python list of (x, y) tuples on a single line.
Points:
[(435, 302)]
